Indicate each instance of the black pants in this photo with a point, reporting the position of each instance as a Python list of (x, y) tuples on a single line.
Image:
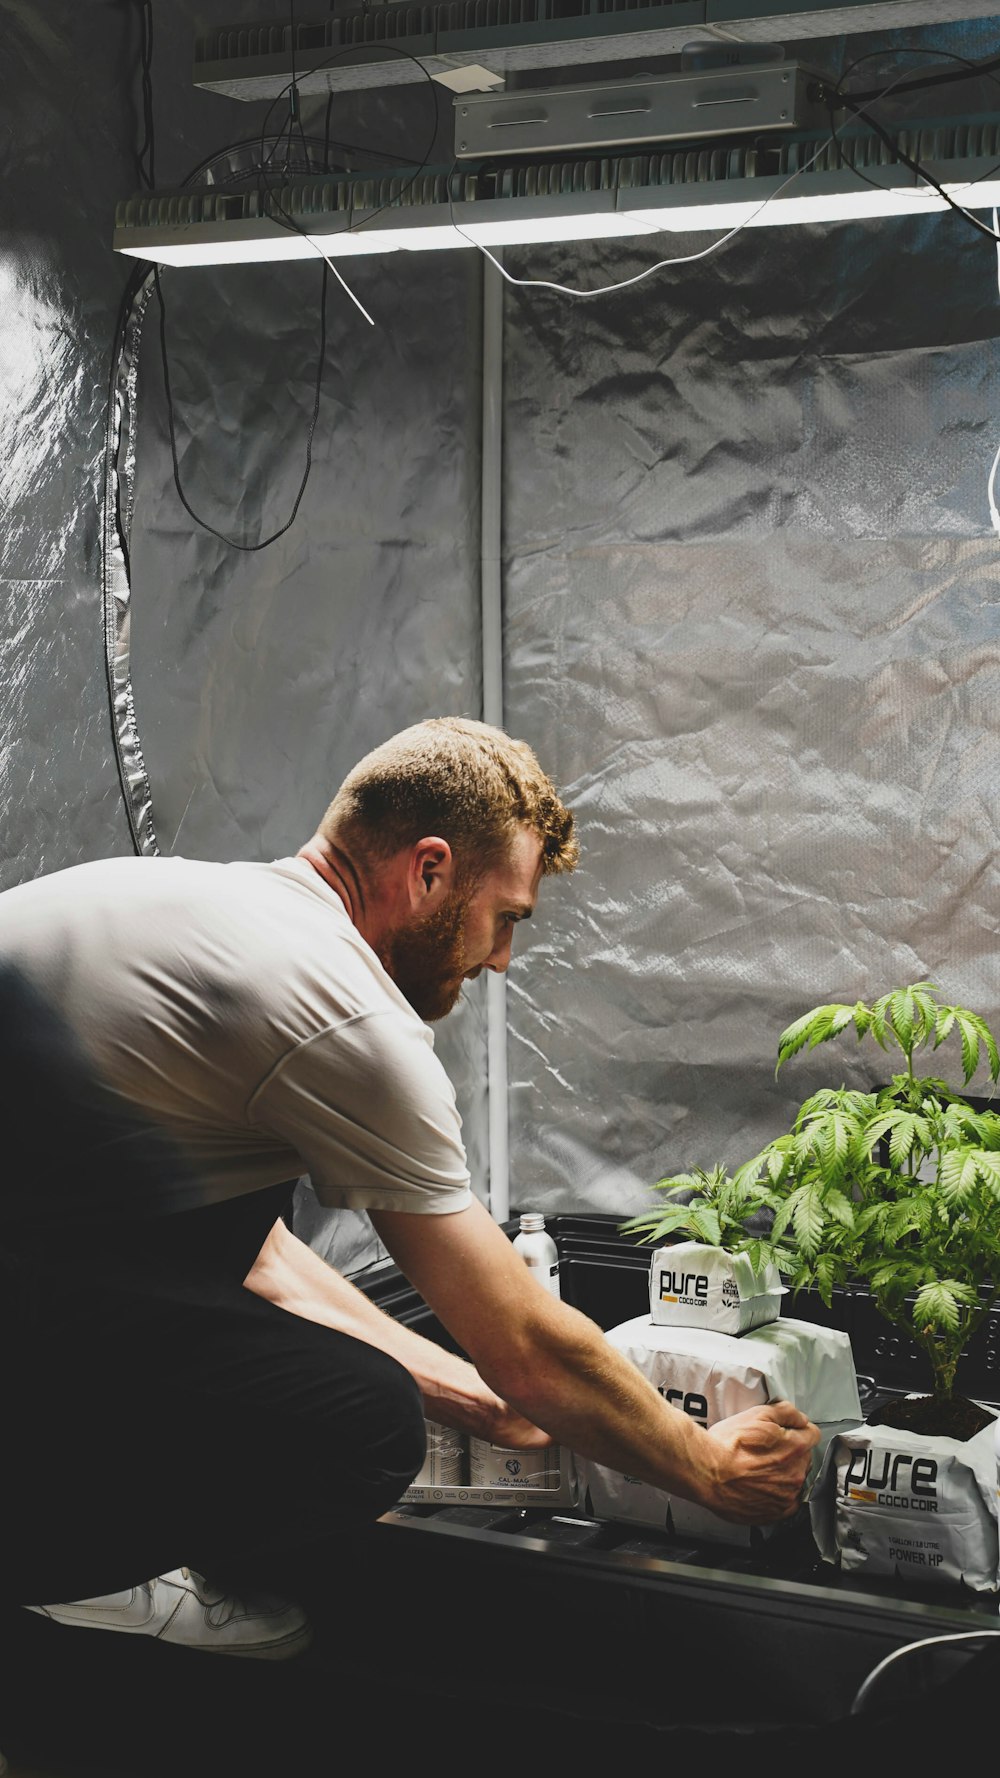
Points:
[(153, 1412)]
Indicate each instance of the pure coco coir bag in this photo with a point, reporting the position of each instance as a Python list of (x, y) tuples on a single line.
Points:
[(691, 1285), (908, 1505), (709, 1376)]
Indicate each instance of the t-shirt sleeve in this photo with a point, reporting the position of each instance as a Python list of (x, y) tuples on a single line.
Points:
[(372, 1113)]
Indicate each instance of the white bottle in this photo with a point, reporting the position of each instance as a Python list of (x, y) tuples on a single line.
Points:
[(538, 1250)]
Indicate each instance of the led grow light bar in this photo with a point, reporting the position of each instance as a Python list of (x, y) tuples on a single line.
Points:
[(524, 202)]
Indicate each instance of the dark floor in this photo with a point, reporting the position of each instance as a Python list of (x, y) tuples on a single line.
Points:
[(92, 1704)]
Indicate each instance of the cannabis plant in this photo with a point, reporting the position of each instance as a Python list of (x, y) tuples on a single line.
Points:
[(899, 1188), (713, 1208)]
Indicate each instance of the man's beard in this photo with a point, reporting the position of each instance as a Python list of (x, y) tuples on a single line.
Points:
[(427, 960)]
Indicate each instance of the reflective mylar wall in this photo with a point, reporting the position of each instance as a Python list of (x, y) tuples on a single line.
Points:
[(750, 593), (752, 622), (259, 677)]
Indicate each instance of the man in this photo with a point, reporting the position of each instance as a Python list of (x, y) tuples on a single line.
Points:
[(219, 1029)]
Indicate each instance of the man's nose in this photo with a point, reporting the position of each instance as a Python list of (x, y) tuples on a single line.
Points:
[(499, 958)]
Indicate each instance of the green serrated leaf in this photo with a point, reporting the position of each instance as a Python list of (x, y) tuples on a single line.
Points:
[(988, 1169), (808, 1219), (777, 1167), (781, 1220), (678, 1182), (936, 1306), (840, 1208), (970, 1044), (985, 1035), (901, 1018), (926, 1011), (885, 1274), (825, 1277), (878, 1020), (834, 1142), (794, 1038), (957, 1174), (909, 1132)]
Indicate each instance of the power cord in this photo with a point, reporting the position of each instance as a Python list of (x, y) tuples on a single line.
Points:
[(859, 105), (867, 1685), (822, 91), (270, 202), (234, 542), (970, 70), (827, 95), (145, 156), (625, 283)]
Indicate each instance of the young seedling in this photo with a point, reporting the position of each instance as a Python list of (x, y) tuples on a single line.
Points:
[(713, 1208)]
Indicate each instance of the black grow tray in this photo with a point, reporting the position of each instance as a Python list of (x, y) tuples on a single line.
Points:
[(674, 1629)]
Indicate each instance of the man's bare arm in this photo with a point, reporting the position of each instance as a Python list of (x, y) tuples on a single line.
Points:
[(555, 1365), (289, 1274)]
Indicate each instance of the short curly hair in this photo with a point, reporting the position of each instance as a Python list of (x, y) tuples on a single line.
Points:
[(469, 783)]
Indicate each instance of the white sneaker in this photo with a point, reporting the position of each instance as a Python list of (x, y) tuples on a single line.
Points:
[(185, 1609)]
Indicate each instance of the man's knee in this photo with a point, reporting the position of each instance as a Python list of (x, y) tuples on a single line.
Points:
[(397, 1439)]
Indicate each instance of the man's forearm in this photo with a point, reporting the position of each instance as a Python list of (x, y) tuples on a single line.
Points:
[(557, 1366), (289, 1274)]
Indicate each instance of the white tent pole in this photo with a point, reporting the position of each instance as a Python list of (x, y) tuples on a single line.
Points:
[(492, 626)]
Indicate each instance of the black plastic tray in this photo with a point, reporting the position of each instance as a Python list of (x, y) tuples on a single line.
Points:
[(568, 1594)]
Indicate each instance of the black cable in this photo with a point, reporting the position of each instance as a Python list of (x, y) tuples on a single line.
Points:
[(294, 107), (914, 166), (970, 70), (326, 121), (148, 149), (335, 56), (248, 548), (844, 161), (269, 207), (145, 155), (859, 105)]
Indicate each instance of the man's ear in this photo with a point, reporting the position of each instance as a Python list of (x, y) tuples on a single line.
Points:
[(430, 874)]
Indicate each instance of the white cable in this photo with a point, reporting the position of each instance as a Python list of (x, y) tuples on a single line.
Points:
[(686, 258), (358, 304), (991, 483), (681, 259), (927, 1642), (603, 289)]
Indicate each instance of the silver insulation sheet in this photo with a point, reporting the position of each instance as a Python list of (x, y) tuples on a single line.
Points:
[(63, 151), (752, 626)]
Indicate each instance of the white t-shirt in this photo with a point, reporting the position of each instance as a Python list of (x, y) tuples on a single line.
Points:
[(241, 1009)]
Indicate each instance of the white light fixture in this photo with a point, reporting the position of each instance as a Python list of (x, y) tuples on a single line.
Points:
[(525, 231), (845, 206), (687, 192), (168, 240), (220, 250), (433, 237)]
